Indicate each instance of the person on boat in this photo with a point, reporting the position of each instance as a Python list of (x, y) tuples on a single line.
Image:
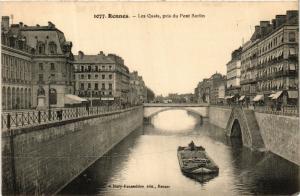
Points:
[(192, 145)]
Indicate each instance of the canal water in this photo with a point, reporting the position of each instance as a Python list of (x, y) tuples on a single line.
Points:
[(145, 163)]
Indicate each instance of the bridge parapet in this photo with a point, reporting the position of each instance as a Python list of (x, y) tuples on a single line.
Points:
[(176, 105), (151, 110)]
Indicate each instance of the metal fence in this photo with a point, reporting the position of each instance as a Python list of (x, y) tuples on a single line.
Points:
[(283, 110), (27, 118)]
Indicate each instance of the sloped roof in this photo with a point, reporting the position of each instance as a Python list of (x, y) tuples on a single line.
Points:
[(92, 59)]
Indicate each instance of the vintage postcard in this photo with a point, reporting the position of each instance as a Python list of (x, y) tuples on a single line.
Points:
[(144, 98)]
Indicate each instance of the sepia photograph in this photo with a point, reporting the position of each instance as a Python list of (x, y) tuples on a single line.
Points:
[(150, 98)]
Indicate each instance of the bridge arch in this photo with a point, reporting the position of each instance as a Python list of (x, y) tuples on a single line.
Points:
[(235, 130)]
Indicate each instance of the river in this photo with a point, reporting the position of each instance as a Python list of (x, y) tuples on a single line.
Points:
[(145, 163)]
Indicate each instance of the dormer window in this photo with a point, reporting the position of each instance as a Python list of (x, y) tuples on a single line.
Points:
[(41, 48), (52, 48)]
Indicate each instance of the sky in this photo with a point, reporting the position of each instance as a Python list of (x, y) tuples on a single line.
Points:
[(171, 54)]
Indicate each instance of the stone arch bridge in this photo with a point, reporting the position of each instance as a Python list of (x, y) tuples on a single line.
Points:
[(152, 109)]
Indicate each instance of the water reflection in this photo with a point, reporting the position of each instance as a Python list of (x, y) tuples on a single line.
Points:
[(149, 157), (174, 121)]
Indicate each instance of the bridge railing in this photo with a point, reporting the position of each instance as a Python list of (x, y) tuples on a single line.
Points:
[(28, 118)]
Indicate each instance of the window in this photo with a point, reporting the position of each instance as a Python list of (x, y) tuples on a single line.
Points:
[(110, 93), (110, 67), (103, 76), (81, 86), (110, 76), (89, 85), (52, 48), (103, 86), (82, 68), (82, 76), (96, 86), (89, 76), (52, 66), (110, 86), (52, 75), (103, 66), (96, 68), (41, 77), (96, 76), (292, 36), (41, 48), (41, 66), (89, 68), (53, 96)]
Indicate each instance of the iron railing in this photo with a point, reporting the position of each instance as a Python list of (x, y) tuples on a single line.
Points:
[(289, 110), (283, 110), (28, 118)]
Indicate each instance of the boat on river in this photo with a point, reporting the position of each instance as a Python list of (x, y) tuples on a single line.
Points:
[(195, 162)]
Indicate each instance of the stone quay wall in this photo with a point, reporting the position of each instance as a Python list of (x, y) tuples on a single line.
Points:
[(43, 159), (280, 135), (219, 116)]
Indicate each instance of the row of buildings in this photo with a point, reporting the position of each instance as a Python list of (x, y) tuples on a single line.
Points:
[(264, 70), (39, 70)]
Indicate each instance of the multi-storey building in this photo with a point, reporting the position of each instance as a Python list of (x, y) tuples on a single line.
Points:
[(138, 90), (103, 77), (16, 64), (234, 73), (46, 58), (210, 90), (270, 61)]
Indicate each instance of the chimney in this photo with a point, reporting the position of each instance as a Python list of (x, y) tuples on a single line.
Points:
[(292, 16), (51, 25), (274, 24), (5, 23), (80, 54), (101, 53), (264, 27), (280, 19)]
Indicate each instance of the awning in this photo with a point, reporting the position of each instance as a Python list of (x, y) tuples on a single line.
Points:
[(258, 97), (242, 98), (271, 96), (72, 99), (293, 94), (276, 95), (228, 97)]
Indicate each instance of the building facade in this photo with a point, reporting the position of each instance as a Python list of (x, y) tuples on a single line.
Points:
[(41, 58), (137, 89), (270, 62), (16, 65), (102, 77), (211, 90), (233, 73)]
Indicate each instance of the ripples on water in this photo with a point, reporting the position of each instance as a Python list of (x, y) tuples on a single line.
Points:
[(148, 157)]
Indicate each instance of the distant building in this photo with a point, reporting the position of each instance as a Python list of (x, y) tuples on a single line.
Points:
[(211, 90), (137, 89), (233, 74), (36, 59), (102, 77), (269, 62)]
